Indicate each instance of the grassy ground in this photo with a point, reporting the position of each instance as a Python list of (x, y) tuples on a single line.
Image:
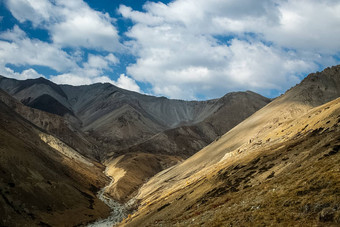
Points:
[(292, 181)]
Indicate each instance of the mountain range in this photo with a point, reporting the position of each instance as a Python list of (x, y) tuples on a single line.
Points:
[(242, 159), (88, 127)]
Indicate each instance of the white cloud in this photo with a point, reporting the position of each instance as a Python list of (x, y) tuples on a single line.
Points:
[(127, 83), (26, 74), (71, 79), (214, 70), (36, 11), (18, 49), (308, 24), (30, 74), (112, 59), (95, 66), (96, 62), (13, 35), (184, 49), (75, 79), (70, 23), (196, 47)]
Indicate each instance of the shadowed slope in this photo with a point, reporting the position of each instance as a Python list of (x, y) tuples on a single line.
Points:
[(43, 180), (55, 125)]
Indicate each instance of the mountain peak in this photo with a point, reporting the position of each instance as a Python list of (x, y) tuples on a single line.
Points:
[(30, 82), (317, 88)]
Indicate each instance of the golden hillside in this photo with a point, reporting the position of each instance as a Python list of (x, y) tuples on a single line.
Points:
[(279, 166)]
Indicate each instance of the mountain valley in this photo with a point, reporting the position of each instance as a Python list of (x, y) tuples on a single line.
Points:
[(239, 160), (100, 123)]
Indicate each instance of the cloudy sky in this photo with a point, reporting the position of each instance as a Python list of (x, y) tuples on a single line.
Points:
[(186, 49)]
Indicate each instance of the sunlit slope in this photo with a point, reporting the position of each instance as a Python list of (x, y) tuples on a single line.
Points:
[(132, 170), (282, 126)]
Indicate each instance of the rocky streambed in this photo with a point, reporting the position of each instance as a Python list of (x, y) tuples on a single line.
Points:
[(118, 211)]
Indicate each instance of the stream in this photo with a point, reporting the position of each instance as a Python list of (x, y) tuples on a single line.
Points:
[(118, 211)]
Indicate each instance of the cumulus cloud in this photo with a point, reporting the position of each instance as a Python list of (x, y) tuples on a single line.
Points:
[(127, 83), (190, 48), (97, 64), (76, 79), (184, 49), (18, 49), (70, 23), (24, 75), (36, 11), (308, 24), (123, 81)]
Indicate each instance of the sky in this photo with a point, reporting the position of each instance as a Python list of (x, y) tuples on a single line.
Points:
[(183, 49)]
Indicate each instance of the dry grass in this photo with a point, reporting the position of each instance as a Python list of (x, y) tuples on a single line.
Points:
[(291, 180), (132, 170)]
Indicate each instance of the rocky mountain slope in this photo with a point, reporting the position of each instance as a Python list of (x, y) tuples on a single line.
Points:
[(278, 167), (119, 119), (186, 140), (44, 181)]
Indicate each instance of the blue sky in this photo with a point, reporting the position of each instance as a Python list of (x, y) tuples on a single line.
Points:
[(186, 49)]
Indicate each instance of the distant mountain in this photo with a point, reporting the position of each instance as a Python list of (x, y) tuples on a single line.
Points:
[(186, 140), (277, 167), (119, 119)]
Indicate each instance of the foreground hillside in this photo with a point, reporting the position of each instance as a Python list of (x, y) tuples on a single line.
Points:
[(44, 181), (278, 167)]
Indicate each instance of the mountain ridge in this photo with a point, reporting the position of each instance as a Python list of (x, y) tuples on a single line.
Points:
[(98, 108)]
